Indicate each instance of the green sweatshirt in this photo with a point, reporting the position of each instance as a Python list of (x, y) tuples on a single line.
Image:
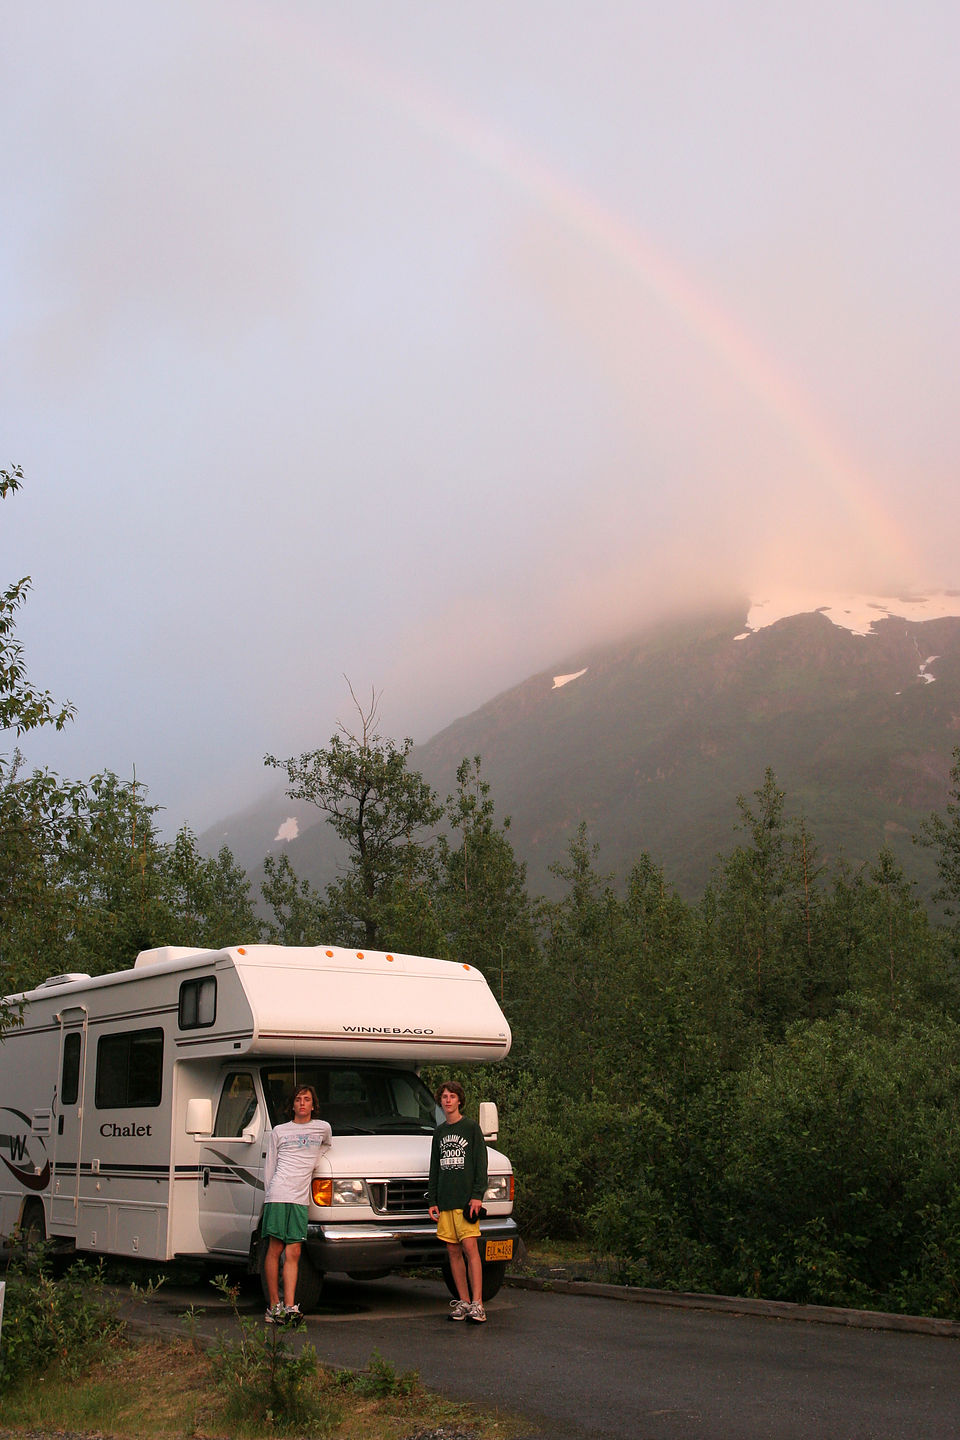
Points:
[(458, 1165)]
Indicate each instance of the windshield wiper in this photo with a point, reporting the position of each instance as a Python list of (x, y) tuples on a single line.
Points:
[(414, 1127)]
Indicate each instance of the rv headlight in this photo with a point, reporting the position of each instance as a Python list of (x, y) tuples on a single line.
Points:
[(499, 1187), (350, 1192)]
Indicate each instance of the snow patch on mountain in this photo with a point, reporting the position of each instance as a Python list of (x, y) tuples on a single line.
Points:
[(560, 680), (856, 613), (289, 830)]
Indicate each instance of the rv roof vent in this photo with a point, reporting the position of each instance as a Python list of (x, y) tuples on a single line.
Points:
[(165, 952), (60, 980)]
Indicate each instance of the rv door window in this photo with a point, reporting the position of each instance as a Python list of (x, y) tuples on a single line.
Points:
[(198, 1003), (70, 1079), (238, 1105), (129, 1069)]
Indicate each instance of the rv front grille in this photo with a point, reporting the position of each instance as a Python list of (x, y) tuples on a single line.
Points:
[(398, 1197)]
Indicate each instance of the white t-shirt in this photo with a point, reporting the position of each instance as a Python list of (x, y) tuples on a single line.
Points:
[(293, 1151)]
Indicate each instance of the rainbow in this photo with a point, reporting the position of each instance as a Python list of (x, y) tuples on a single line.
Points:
[(703, 316)]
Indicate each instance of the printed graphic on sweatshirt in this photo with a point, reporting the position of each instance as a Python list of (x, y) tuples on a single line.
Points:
[(453, 1152), (304, 1142)]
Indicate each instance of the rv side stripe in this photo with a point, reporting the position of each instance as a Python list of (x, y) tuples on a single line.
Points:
[(415, 1041), (86, 1169), (53, 1027), (141, 1013)]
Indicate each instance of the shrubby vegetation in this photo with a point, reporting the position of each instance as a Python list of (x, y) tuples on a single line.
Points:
[(53, 1324), (757, 1093)]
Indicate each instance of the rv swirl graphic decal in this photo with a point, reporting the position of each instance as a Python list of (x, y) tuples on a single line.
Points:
[(30, 1168)]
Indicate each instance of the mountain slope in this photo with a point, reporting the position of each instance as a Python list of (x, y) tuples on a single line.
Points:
[(650, 740), (656, 738)]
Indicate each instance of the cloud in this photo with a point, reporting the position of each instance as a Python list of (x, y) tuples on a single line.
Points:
[(425, 347)]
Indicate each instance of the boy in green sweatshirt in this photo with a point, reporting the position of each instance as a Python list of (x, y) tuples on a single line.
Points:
[(458, 1178)]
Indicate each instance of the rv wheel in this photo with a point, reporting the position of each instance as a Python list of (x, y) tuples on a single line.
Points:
[(29, 1233), (309, 1280), (32, 1229), (493, 1276)]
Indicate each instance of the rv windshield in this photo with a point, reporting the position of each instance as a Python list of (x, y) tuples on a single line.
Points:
[(354, 1099)]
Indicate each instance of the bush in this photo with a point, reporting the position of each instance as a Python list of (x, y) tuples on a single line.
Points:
[(63, 1323), (380, 1380), (824, 1173), (264, 1383), (659, 1212), (844, 1162)]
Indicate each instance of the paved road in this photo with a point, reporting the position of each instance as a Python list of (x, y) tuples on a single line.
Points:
[(584, 1368)]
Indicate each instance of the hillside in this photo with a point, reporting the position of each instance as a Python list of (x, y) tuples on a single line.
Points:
[(650, 741)]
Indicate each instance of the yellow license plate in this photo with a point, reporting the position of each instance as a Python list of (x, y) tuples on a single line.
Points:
[(499, 1250)]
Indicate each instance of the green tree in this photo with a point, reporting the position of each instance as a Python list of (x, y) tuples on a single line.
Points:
[(759, 914), (299, 912), (111, 877), (207, 898), (378, 807), (580, 977), (90, 882), (942, 834), (34, 810), (22, 706), (39, 815), (880, 941), (485, 912)]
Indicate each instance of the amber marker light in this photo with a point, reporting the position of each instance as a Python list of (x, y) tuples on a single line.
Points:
[(321, 1191)]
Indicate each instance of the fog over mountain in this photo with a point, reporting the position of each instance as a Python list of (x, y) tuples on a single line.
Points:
[(853, 700)]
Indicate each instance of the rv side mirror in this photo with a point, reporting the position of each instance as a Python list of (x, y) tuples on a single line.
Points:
[(489, 1120), (199, 1118), (249, 1135)]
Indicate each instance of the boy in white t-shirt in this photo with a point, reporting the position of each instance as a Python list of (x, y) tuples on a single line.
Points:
[(293, 1151)]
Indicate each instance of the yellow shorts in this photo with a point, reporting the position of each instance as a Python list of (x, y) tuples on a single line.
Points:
[(452, 1227)]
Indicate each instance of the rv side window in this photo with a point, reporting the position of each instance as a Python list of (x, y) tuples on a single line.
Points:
[(238, 1105), (70, 1079), (129, 1069), (198, 1002)]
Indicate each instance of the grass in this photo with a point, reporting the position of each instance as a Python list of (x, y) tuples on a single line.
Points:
[(562, 1260), (90, 1376), (159, 1390)]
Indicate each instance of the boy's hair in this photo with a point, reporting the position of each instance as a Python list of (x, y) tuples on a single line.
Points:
[(311, 1092), (456, 1088)]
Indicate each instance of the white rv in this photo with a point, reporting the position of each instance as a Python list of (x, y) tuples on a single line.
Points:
[(135, 1107)]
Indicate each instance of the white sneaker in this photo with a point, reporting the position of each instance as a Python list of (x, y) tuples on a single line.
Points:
[(274, 1315), (458, 1309), (476, 1313), (293, 1315)]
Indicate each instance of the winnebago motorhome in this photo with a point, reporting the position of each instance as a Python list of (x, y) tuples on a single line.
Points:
[(135, 1107)]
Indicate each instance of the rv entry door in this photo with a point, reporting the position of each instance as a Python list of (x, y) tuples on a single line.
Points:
[(231, 1167), (68, 1121)]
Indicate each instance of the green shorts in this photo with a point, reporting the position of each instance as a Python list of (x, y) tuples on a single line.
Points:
[(284, 1222)]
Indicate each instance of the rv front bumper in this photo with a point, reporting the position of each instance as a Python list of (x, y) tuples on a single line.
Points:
[(391, 1244)]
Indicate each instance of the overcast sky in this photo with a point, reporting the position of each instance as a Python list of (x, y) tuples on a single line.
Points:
[(423, 342)]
